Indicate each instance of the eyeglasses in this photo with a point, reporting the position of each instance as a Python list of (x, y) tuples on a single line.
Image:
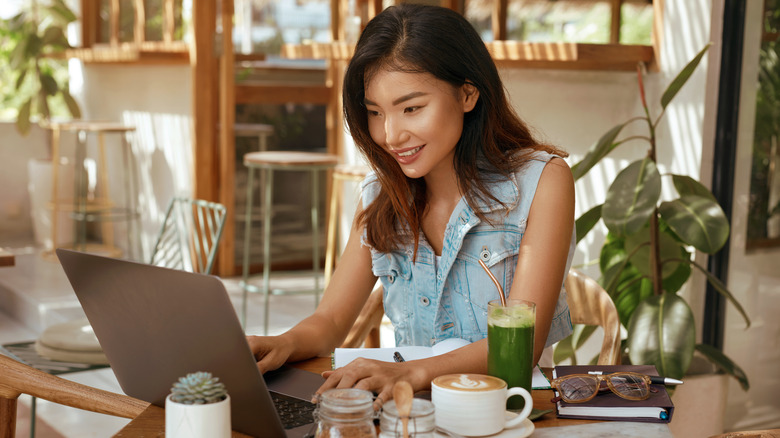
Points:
[(579, 388)]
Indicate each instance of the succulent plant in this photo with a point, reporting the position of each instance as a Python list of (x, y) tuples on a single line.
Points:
[(198, 389)]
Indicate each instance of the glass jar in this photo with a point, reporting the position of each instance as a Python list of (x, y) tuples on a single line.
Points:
[(345, 413), (422, 422)]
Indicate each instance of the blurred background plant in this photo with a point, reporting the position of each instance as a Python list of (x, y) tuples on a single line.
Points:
[(648, 253), (33, 69)]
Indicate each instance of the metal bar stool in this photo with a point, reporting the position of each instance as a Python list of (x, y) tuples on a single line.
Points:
[(341, 174), (268, 162), (101, 208)]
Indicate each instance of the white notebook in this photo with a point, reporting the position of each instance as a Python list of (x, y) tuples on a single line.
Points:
[(343, 356)]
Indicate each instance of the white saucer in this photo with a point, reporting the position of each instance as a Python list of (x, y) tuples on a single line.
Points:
[(522, 430)]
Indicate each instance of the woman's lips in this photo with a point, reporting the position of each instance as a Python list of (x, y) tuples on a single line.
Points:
[(408, 155)]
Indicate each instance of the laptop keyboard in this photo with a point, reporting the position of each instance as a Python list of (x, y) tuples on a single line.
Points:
[(293, 412)]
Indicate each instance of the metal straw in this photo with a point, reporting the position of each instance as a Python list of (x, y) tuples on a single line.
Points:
[(498, 285)]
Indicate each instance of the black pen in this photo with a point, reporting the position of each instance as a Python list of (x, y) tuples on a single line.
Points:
[(655, 380), (397, 357)]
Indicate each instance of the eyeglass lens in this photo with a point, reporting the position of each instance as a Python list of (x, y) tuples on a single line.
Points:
[(629, 385), (578, 387)]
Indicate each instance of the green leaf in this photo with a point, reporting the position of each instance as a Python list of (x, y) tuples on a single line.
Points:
[(599, 150), (582, 334), (52, 34), (33, 47), (567, 347), (18, 57), (724, 363), (587, 221), (721, 288), (686, 185), (48, 84), (680, 276), (698, 221), (682, 78), (632, 198), (43, 105), (633, 290), (20, 79), (638, 245), (61, 12), (564, 350), (23, 118), (73, 106), (662, 332)]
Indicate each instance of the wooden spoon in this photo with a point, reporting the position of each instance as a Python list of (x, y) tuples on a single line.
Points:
[(403, 395)]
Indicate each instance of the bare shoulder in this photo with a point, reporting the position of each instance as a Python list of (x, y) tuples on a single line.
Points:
[(557, 173)]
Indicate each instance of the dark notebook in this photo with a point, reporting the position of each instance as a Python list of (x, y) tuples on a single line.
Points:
[(658, 408)]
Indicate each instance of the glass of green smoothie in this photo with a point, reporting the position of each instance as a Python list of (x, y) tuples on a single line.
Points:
[(511, 344)]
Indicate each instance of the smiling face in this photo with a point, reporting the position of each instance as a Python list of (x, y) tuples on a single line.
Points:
[(417, 118)]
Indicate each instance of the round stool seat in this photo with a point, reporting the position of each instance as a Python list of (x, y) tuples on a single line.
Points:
[(350, 171), (72, 341), (289, 159)]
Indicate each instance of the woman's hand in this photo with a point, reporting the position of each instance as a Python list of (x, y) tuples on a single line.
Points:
[(373, 375), (271, 352)]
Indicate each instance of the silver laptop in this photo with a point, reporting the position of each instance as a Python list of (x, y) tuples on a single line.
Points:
[(156, 325)]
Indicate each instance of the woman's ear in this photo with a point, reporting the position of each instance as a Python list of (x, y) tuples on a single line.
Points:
[(469, 96)]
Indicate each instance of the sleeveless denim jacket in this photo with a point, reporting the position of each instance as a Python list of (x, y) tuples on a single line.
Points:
[(428, 303)]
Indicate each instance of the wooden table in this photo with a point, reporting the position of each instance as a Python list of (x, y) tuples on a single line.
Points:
[(6, 258), (151, 422)]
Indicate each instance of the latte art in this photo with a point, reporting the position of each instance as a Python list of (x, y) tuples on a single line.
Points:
[(466, 383), (469, 382)]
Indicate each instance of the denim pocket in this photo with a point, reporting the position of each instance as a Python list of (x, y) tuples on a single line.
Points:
[(394, 271), (498, 247)]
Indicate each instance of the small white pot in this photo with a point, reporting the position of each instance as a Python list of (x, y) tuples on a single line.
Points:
[(197, 421)]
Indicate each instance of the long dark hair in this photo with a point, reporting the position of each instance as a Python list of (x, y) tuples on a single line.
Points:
[(430, 39)]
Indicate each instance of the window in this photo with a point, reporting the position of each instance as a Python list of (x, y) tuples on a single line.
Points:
[(573, 21)]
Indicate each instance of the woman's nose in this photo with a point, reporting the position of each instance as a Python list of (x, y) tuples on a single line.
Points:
[(394, 132)]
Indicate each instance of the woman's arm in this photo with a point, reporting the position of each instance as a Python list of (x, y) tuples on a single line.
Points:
[(544, 250), (330, 323)]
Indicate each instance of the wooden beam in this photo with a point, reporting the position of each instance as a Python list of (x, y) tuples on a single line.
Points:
[(227, 145), (89, 22), (139, 27), (205, 100), (169, 21), (614, 23), (114, 22), (567, 56), (282, 94), (499, 18), (150, 52), (657, 35)]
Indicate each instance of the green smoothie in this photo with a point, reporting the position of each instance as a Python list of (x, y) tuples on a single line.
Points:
[(511, 345)]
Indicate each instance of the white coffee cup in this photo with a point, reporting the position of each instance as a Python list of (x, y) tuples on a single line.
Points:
[(475, 404)]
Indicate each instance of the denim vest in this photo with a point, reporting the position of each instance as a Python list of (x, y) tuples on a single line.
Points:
[(428, 303)]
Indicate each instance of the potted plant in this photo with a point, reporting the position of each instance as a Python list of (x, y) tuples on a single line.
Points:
[(33, 44), (648, 252), (34, 89), (197, 407)]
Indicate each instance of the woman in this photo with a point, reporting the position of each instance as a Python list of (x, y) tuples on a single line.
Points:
[(457, 177)]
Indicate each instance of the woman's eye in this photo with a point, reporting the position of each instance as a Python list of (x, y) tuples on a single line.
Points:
[(372, 113), (411, 109)]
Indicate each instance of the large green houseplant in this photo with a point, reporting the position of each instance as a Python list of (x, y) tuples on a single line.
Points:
[(34, 75), (648, 253)]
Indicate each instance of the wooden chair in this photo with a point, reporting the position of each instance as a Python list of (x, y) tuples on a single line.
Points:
[(590, 304), (17, 378), (365, 330)]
